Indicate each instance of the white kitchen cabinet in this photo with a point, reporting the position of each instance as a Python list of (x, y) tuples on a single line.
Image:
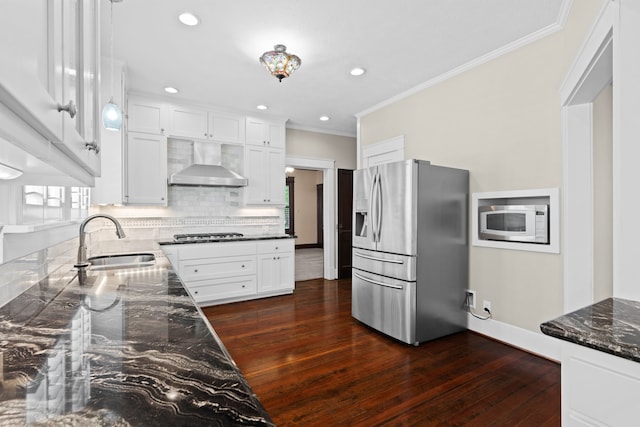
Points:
[(147, 116), (275, 266), (221, 272), (264, 168), (598, 388), (193, 123), (265, 134), (49, 63), (146, 169)]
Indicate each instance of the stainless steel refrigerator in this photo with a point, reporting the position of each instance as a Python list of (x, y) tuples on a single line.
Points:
[(410, 249)]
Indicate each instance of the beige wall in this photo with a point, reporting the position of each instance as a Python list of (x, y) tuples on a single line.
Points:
[(502, 122), (305, 209), (342, 149), (603, 195)]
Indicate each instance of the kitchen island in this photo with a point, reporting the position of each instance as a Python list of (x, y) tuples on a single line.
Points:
[(117, 347), (600, 362)]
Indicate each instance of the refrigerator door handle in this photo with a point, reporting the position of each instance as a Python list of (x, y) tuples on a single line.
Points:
[(379, 206), (372, 205), (393, 261), (375, 282)]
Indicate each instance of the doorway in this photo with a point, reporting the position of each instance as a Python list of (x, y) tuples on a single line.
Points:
[(345, 219), (305, 205)]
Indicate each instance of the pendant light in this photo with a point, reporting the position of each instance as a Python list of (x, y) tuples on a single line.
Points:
[(280, 63), (111, 113)]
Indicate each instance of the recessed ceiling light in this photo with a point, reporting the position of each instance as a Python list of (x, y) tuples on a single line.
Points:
[(262, 107), (357, 71), (170, 89), (325, 118), (189, 19)]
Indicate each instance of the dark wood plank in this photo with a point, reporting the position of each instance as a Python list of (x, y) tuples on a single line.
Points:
[(312, 364)]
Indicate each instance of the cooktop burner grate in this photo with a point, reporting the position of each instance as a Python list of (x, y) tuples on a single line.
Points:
[(198, 237)]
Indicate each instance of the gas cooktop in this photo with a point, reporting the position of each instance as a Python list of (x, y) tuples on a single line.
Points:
[(205, 237)]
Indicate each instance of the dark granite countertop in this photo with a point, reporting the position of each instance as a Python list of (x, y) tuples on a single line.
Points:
[(611, 325), (232, 239), (126, 347)]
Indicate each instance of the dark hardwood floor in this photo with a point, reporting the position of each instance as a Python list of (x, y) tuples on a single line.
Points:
[(312, 364)]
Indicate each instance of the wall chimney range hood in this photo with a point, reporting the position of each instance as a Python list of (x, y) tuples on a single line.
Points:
[(206, 170)]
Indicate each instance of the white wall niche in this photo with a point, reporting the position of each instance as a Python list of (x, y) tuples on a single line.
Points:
[(548, 196)]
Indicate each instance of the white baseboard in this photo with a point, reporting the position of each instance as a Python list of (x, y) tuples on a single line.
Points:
[(536, 343)]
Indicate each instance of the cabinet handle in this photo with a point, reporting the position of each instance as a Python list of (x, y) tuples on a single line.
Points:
[(162, 130), (242, 265), (195, 271), (195, 292), (92, 146), (243, 286), (276, 248), (69, 108), (206, 134), (274, 258), (161, 198)]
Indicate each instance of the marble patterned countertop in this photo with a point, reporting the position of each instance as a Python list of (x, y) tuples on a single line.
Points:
[(611, 325), (117, 347), (232, 239)]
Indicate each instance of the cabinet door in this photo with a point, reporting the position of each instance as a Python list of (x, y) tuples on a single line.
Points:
[(79, 26), (28, 65), (188, 123), (276, 176), (254, 170), (275, 272), (146, 169), (146, 116), (226, 128), (277, 136), (256, 132)]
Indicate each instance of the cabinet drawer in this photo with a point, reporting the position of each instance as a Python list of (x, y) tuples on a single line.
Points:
[(274, 246), (212, 250), (209, 268), (217, 289)]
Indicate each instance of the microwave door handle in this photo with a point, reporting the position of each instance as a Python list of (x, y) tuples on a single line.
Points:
[(375, 282)]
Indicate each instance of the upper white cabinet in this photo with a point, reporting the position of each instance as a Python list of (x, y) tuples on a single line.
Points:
[(147, 116), (146, 169), (264, 168), (192, 123), (49, 76), (263, 133)]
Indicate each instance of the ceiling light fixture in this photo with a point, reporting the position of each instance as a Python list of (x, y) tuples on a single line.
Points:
[(325, 118), (357, 71), (262, 107), (9, 172), (280, 63), (111, 113), (189, 19), (170, 89)]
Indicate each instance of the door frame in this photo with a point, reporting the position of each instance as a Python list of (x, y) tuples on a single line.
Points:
[(330, 235), (591, 71)]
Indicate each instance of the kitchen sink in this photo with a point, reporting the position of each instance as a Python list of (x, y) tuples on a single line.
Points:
[(110, 262)]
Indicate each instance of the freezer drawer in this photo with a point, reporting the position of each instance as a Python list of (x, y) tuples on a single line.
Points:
[(387, 305), (401, 267)]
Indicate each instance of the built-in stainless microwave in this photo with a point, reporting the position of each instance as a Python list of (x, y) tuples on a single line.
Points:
[(514, 223)]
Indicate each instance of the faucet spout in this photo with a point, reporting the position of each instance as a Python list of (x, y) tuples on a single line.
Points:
[(82, 248)]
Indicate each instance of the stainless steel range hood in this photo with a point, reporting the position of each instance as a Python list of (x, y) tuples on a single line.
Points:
[(206, 169)]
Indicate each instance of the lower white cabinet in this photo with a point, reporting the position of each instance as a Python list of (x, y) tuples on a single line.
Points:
[(598, 389), (276, 266), (221, 272)]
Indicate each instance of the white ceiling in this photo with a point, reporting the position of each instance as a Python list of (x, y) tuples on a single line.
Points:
[(401, 44)]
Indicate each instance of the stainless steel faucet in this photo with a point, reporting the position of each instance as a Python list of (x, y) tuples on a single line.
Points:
[(82, 249)]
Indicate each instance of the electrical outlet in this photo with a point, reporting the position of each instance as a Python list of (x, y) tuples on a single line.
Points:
[(470, 298), (486, 305)]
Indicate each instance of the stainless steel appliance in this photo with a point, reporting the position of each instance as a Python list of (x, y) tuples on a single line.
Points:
[(410, 249), (514, 223)]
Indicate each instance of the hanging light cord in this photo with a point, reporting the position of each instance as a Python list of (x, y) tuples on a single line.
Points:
[(111, 48)]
